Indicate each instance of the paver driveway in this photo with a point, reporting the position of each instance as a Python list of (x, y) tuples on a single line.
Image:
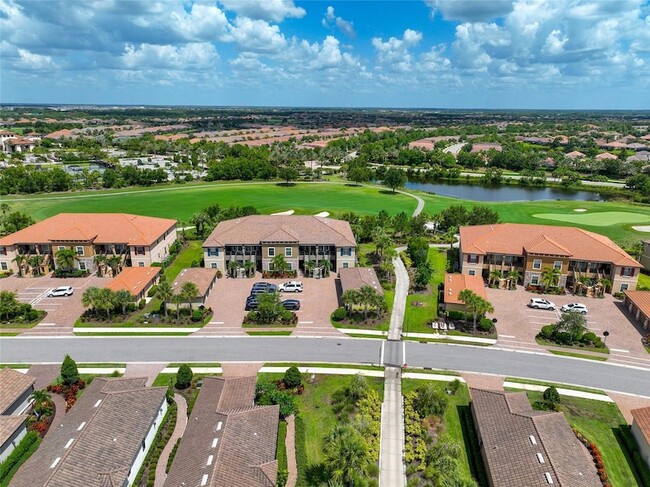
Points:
[(62, 312), (518, 324), (317, 302)]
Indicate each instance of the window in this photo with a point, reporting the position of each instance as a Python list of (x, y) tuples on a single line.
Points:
[(472, 259), (82, 266), (346, 251), (213, 265), (288, 251), (534, 279), (3, 266), (140, 264), (61, 247), (537, 263), (139, 251), (80, 250), (557, 265), (3, 250), (45, 248), (289, 266), (346, 265), (271, 251), (213, 252), (627, 271), (624, 287), (472, 272)]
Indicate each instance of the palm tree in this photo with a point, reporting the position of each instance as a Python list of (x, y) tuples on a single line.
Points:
[(105, 301), (495, 276), (89, 297), (123, 298), (114, 262), (387, 269), (551, 277), (367, 298), (582, 282), (350, 298), (36, 263), (165, 292), (233, 265), (310, 265), (606, 284), (177, 299), (347, 455), (100, 262), (326, 265), (249, 268), (189, 292), (20, 260), (513, 279), (279, 263), (475, 304), (200, 220), (65, 258), (42, 403)]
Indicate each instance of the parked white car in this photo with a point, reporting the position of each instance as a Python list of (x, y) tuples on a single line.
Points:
[(291, 287), (539, 303), (574, 308), (60, 291)]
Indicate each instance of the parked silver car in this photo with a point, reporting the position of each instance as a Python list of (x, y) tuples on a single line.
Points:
[(60, 291), (574, 308), (539, 303)]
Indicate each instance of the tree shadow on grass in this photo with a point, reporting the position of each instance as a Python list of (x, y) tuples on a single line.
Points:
[(317, 474), (628, 445), (387, 191), (286, 185)]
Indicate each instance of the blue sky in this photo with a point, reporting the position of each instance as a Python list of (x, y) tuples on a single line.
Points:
[(553, 54)]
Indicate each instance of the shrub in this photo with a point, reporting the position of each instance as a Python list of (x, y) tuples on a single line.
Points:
[(485, 325), (429, 401), (152, 291), (292, 377), (219, 274), (589, 338), (619, 295), (142, 303), (16, 457), (455, 315), (547, 332), (184, 377), (339, 314), (197, 315), (552, 398), (69, 371), (301, 452)]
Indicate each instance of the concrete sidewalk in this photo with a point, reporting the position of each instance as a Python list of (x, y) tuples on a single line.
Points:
[(391, 458)]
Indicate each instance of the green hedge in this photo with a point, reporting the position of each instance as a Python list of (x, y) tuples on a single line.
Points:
[(157, 445), (281, 452), (301, 452), (639, 466), (21, 453), (170, 460)]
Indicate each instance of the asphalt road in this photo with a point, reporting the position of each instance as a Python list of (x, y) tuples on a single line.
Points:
[(303, 349)]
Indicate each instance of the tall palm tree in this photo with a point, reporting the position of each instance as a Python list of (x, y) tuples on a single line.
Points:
[(189, 292), (606, 284), (495, 275), (105, 301), (233, 265), (165, 293), (350, 298), (100, 262), (177, 299), (114, 262), (367, 298), (326, 265), (475, 304), (123, 298), (513, 279), (551, 277), (309, 266), (347, 455), (582, 282), (65, 258), (279, 263), (20, 260), (89, 297), (249, 268), (36, 263)]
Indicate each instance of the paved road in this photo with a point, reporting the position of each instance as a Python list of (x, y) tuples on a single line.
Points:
[(303, 349)]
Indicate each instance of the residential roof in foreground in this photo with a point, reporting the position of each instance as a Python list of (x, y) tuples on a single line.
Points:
[(228, 441), (13, 384), (133, 279), (526, 447), (201, 276), (641, 300), (357, 277), (97, 441), (642, 419), (257, 229), (518, 238), (99, 228), (455, 283), (9, 425)]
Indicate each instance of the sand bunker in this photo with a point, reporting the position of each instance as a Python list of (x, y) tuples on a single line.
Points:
[(288, 212), (642, 228), (581, 210), (323, 214)]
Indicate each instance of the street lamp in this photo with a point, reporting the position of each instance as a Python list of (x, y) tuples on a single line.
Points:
[(605, 334)]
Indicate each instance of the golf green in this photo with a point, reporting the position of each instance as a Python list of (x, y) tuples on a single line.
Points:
[(598, 219)]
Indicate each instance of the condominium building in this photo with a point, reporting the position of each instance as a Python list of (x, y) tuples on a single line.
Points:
[(300, 239), (529, 249), (136, 240)]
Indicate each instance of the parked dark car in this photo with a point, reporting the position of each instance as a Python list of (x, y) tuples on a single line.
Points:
[(291, 304), (263, 287), (251, 303)]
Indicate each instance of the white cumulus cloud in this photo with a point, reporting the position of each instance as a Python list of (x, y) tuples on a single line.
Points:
[(269, 10), (330, 20)]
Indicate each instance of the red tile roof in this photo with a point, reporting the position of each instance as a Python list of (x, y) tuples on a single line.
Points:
[(255, 229), (641, 300), (133, 279), (99, 228), (455, 283), (515, 239)]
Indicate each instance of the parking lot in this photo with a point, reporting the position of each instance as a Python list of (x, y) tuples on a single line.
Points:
[(61, 311), (518, 324), (317, 302)]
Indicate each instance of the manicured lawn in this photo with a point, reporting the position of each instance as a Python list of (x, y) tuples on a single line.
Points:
[(181, 202), (416, 317), (523, 212), (597, 219), (315, 409), (644, 281), (452, 423), (579, 355), (598, 421), (191, 252)]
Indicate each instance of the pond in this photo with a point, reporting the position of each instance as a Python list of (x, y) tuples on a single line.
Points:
[(502, 193)]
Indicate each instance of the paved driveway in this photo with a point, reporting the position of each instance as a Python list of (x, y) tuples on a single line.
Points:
[(317, 302), (61, 311), (517, 324)]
